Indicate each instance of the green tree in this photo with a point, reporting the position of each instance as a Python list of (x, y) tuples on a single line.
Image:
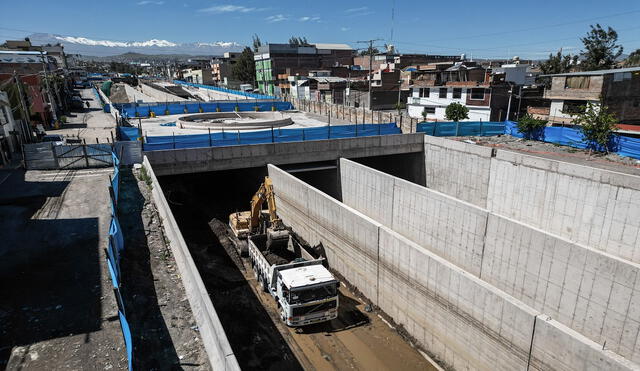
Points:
[(558, 63), (298, 41), (424, 114), (256, 42), (597, 125), (370, 51), (530, 126), (456, 112), (245, 68), (600, 48), (633, 60)]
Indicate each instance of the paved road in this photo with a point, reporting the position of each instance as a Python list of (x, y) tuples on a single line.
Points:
[(58, 310), (90, 124)]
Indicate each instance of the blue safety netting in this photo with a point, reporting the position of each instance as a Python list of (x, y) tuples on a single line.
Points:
[(115, 246), (464, 128), (277, 135), (177, 108), (225, 90), (624, 146)]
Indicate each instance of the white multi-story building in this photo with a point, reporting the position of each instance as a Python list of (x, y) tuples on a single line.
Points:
[(434, 101)]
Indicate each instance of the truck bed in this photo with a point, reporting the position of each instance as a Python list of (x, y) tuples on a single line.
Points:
[(279, 255)]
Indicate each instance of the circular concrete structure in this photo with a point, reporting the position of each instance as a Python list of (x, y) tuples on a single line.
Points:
[(234, 120)]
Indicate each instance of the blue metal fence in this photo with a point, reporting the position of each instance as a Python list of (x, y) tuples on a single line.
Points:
[(276, 135), (225, 90), (176, 108), (464, 128), (115, 247)]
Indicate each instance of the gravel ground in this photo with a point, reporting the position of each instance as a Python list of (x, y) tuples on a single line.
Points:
[(165, 334), (610, 161)]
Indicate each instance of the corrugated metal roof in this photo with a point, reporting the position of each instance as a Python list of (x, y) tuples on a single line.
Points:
[(595, 73)]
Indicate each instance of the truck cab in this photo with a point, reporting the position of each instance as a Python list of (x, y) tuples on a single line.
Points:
[(307, 295)]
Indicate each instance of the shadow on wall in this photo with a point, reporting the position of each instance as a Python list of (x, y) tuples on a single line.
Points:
[(49, 268), (194, 200), (154, 348)]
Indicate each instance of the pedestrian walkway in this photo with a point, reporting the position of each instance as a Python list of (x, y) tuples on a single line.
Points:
[(91, 124)]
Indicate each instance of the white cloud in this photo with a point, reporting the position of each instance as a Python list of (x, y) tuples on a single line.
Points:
[(277, 18), (150, 2), (216, 9), (309, 19), (354, 10), (344, 29)]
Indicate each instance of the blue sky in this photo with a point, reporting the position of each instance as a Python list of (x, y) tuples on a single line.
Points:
[(497, 29)]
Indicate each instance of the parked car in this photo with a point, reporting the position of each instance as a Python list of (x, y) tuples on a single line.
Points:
[(77, 102), (56, 139)]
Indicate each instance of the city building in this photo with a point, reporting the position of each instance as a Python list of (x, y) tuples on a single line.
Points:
[(441, 84), (516, 73), (9, 130), (273, 60), (222, 67), (198, 76), (570, 92)]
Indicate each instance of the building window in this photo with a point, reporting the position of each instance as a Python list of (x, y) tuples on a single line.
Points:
[(443, 93), (477, 94), (424, 92), (457, 92), (573, 106), (429, 110), (577, 82)]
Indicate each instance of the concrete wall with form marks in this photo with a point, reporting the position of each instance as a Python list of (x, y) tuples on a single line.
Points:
[(221, 356), (195, 160), (450, 312), (591, 292), (594, 207), (458, 169)]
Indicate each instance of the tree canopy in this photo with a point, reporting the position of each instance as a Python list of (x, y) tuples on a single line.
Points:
[(256, 42), (558, 63), (245, 68), (456, 112), (633, 60), (370, 51), (597, 125), (601, 48), (298, 41)]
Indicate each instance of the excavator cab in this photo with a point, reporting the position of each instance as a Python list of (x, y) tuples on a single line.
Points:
[(258, 221)]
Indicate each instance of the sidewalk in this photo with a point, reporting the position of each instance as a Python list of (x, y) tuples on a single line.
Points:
[(90, 124), (58, 310)]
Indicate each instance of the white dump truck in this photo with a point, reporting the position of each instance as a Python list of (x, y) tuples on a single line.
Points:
[(305, 291)]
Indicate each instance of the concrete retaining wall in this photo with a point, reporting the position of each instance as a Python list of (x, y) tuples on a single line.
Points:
[(214, 338), (458, 169), (195, 160), (588, 290), (556, 347), (464, 321), (450, 312), (350, 239), (446, 226), (594, 207)]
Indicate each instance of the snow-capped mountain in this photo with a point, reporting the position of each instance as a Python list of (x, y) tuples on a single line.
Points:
[(100, 48)]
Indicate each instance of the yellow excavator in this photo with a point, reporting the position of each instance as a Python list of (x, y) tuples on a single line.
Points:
[(257, 221)]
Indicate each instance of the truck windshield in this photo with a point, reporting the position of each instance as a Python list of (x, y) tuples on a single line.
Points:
[(312, 294)]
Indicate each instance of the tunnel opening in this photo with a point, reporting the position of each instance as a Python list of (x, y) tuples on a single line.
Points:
[(195, 199), (407, 166), (322, 175)]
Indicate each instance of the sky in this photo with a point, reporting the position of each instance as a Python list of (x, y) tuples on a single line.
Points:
[(482, 29)]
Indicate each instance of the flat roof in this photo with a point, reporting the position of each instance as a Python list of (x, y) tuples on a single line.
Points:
[(332, 46), (306, 276), (596, 73)]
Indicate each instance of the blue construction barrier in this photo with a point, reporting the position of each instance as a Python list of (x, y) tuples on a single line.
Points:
[(277, 135), (115, 247), (177, 108), (624, 146), (225, 90), (464, 128)]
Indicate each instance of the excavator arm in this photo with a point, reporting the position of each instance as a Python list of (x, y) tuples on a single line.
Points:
[(264, 193)]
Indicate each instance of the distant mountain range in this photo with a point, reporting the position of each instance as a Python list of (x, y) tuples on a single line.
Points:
[(145, 58), (103, 48)]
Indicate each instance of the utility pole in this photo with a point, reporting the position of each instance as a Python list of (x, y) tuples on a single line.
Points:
[(370, 50), (46, 83)]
